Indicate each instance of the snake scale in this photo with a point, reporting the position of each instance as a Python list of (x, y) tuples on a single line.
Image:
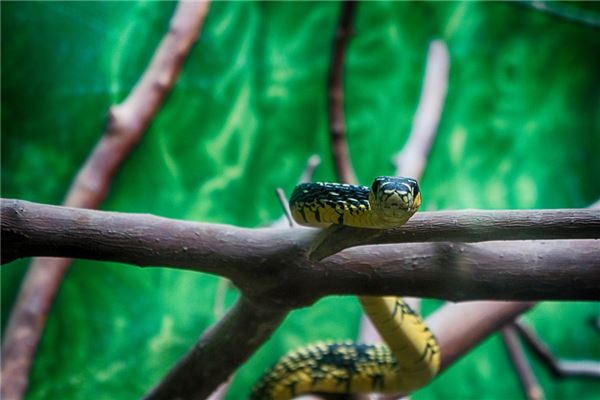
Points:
[(411, 356)]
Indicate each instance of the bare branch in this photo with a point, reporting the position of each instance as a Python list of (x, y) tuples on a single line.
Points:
[(559, 368), (219, 352), (285, 206), (567, 12), (337, 124), (466, 226), (311, 164), (411, 160), (127, 123), (271, 263), (533, 390)]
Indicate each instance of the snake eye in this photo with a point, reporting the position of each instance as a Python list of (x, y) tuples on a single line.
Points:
[(376, 186)]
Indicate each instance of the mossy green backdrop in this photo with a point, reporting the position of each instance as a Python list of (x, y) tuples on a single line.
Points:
[(520, 129)]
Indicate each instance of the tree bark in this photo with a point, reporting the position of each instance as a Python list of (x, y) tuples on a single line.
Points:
[(271, 264)]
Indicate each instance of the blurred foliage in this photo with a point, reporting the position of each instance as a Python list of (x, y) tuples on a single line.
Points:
[(520, 129)]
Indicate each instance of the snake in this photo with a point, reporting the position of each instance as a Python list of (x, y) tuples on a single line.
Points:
[(410, 356)]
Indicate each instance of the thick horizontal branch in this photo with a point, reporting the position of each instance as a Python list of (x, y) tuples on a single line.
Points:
[(467, 226), (272, 264)]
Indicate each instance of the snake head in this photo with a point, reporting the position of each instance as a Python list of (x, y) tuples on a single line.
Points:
[(395, 199)]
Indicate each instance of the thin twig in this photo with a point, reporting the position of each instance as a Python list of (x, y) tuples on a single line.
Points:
[(285, 206), (337, 125), (559, 368), (567, 12), (127, 123), (311, 164), (532, 388)]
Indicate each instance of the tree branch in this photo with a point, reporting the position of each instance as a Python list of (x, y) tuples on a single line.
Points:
[(271, 263), (559, 368), (337, 125), (219, 352), (532, 388), (311, 164), (566, 12), (411, 160), (466, 226), (270, 267), (478, 320), (127, 123)]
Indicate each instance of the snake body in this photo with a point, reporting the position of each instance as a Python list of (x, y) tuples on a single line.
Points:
[(411, 356)]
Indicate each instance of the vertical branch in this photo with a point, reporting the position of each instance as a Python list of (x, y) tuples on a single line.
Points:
[(412, 159), (127, 123), (533, 390), (337, 125)]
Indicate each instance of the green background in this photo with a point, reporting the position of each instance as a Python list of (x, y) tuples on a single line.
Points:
[(520, 129)]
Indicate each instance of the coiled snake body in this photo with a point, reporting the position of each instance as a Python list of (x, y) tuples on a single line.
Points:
[(411, 356)]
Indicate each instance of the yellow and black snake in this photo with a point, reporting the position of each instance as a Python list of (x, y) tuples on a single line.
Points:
[(411, 356)]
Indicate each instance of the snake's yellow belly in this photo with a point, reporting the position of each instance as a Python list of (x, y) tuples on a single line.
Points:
[(409, 359)]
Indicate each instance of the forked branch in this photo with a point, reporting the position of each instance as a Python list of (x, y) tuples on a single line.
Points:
[(272, 263)]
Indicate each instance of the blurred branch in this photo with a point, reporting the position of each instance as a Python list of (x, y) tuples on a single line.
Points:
[(559, 368), (477, 321), (411, 160), (220, 351), (337, 125), (567, 12), (285, 206), (533, 390), (127, 123)]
